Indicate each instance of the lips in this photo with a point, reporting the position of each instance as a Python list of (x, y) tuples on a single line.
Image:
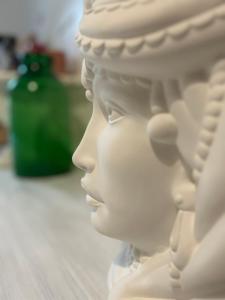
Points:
[(91, 198), (92, 202)]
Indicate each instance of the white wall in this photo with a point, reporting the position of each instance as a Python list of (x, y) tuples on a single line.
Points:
[(15, 17), (54, 21), (22, 16)]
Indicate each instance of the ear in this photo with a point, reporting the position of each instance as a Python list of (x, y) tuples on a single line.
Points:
[(186, 99)]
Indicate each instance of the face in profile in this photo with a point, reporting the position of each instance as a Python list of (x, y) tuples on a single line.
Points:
[(127, 180)]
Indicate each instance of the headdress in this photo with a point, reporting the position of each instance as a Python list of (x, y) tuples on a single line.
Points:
[(159, 35)]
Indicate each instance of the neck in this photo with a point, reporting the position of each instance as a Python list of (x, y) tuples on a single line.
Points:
[(151, 248)]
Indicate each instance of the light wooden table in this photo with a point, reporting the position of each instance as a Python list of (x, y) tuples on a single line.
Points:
[(48, 248)]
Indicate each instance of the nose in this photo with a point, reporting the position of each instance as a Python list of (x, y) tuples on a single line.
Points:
[(83, 156), (83, 162)]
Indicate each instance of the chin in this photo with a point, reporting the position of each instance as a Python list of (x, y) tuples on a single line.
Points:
[(101, 224), (107, 225)]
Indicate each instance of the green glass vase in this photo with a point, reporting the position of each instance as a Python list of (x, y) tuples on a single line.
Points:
[(40, 121)]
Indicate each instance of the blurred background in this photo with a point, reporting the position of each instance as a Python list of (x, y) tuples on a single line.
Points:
[(48, 248), (43, 27), (52, 22)]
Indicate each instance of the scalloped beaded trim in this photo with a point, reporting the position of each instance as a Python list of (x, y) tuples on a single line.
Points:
[(117, 47), (210, 121), (115, 6)]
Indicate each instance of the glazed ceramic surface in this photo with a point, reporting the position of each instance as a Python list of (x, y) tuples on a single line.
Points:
[(154, 148)]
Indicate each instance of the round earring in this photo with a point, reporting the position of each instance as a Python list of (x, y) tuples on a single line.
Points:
[(162, 128)]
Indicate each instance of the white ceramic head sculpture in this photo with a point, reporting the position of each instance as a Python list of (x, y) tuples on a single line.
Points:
[(153, 151)]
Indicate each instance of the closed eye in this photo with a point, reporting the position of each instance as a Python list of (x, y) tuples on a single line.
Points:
[(114, 116)]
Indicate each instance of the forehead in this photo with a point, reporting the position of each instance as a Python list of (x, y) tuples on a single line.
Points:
[(112, 84), (129, 96)]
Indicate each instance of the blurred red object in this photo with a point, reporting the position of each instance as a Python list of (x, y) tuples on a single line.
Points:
[(3, 135), (38, 48), (59, 61), (32, 45)]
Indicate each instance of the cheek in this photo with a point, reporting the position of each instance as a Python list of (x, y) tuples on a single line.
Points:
[(125, 161), (129, 172), (120, 147)]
